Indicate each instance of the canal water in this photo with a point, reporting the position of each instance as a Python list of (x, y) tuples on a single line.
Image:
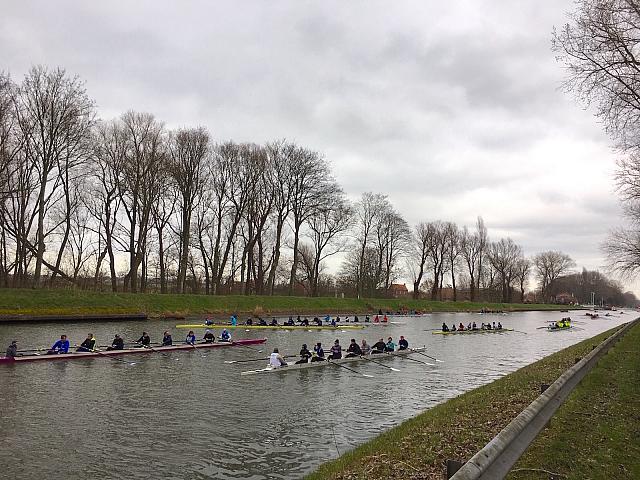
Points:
[(188, 415)]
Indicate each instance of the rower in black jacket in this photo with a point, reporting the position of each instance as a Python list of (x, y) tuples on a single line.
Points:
[(379, 346), (354, 349)]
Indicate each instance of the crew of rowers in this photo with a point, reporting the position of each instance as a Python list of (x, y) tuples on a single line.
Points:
[(89, 344), (305, 322), (354, 349), (564, 323), (471, 326)]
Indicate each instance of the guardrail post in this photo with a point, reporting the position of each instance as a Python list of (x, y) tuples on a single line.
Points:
[(452, 467)]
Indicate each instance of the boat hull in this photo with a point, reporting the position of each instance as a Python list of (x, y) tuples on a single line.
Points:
[(129, 351), (303, 366), (462, 332), (275, 327)]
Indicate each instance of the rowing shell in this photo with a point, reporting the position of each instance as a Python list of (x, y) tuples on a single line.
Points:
[(300, 366), (275, 327), (109, 353), (497, 330), (557, 329)]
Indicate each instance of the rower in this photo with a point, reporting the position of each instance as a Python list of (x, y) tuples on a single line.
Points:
[(61, 346), (249, 322), (274, 322), (261, 322), (390, 346), (88, 345), (191, 338), (499, 326), (482, 327), (336, 351), (385, 319), (453, 327), (494, 326), (145, 340), (305, 354), (474, 326), (469, 326), (208, 337), (117, 343), (333, 322), (234, 320), (461, 327), (290, 322), (367, 319), (166, 339), (12, 350), (376, 319), (318, 353), (276, 360), (225, 336), (379, 346), (366, 349), (488, 325), (208, 321), (317, 321), (305, 322), (327, 318), (337, 318), (298, 319), (355, 319), (353, 350), (445, 328), (403, 344)]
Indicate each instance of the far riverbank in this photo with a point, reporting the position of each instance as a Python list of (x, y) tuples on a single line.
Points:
[(28, 304)]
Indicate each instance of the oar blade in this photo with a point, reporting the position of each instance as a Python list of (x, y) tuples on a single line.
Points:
[(394, 369), (367, 375)]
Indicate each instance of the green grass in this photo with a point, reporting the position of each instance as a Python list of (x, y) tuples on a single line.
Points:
[(59, 302), (596, 433), (456, 429)]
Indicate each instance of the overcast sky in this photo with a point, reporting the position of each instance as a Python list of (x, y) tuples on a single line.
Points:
[(453, 109)]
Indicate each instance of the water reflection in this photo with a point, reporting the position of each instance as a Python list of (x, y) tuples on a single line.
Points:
[(187, 415)]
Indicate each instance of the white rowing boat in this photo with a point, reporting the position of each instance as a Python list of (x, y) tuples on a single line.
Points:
[(300, 366)]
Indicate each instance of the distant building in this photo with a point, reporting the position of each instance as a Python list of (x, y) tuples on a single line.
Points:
[(565, 299), (397, 290)]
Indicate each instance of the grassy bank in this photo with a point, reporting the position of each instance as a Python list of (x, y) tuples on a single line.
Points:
[(596, 433), (457, 429), (68, 302)]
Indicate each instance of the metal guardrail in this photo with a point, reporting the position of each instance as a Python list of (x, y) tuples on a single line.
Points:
[(498, 457)]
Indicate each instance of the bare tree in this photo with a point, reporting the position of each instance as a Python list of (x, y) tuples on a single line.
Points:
[(188, 149), (505, 256), (522, 272), (470, 250), (418, 260), (55, 115), (452, 234), (549, 266)]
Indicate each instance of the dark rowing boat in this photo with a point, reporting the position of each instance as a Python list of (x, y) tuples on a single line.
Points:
[(129, 351)]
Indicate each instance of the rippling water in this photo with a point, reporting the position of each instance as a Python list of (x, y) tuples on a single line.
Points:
[(188, 415)]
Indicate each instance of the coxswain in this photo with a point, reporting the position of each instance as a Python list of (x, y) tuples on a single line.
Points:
[(461, 327), (379, 346), (499, 326), (366, 349), (88, 345), (61, 346), (385, 319), (117, 343), (225, 336), (390, 346), (166, 339), (249, 322), (208, 337), (234, 320), (274, 322), (403, 344), (305, 354), (445, 328), (12, 350), (276, 360), (353, 350), (191, 338), (261, 322), (336, 351), (145, 340), (318, 353)]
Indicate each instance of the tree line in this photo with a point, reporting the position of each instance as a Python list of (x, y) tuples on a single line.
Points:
[(128, 204)]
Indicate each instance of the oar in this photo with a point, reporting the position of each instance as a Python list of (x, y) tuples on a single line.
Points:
[(112, 356), (381, 364), (412, 359), (149, 347), (425, 355), (350, 369), (254, 359), (196, 349)]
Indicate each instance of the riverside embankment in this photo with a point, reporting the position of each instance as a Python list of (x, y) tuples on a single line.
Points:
[(594, 435), (28, 304)]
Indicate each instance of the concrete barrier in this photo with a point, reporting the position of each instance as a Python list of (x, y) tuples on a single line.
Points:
[(498, 457)]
